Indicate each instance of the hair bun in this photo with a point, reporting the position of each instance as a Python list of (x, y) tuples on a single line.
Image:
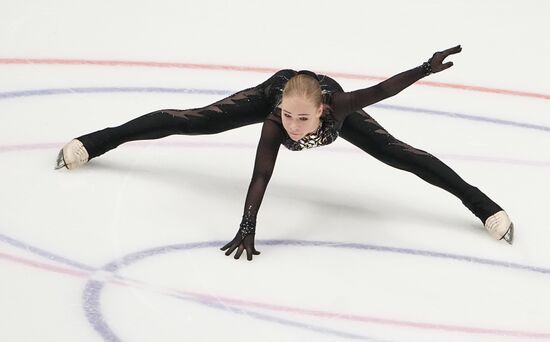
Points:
[(309, 73)]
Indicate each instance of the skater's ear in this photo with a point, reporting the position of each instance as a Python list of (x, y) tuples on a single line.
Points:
[(320, 110)]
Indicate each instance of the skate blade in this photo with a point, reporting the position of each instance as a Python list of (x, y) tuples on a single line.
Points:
[(60, 162), (509, 236)]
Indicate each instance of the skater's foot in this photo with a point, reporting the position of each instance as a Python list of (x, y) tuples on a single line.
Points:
[(500, 227), (72, 155)]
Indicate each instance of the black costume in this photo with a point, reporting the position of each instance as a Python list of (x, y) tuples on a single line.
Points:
[(342, 117)]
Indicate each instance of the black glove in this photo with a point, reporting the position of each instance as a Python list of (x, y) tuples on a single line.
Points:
[(435, 63), (243, 240)]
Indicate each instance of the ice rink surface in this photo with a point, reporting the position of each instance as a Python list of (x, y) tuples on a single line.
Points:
[(127, 247)]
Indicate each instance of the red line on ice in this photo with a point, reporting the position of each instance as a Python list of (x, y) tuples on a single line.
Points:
[(227, 67), (282, 308)]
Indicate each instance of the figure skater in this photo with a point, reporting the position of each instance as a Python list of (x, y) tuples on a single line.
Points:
[(299, 110)]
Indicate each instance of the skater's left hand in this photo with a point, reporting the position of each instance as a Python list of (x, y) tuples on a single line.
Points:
[(437, 59), (243, 244)]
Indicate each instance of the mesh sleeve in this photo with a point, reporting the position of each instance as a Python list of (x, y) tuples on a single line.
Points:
[(344, 103), (268, 147)]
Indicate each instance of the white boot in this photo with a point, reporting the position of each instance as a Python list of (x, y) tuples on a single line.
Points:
[(500, 227), (72, 155)]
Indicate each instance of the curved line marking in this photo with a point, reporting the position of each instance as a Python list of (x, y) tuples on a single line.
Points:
[(114, 266), (96, 90), (209, 299), (231, 145), (111, 63), (92, 303)]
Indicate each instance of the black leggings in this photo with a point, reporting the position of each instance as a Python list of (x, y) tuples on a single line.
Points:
[(249, 106), (364, 132), (243, 108)]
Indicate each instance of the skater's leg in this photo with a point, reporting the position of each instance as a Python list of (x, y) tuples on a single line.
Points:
[(240, 109), (243, 108), (363, 131)]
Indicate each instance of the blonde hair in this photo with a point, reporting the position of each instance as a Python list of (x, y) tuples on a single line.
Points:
[(304, 86)]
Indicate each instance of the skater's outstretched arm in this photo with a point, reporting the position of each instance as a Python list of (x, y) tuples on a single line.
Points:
[(349, 102), (266, 155)]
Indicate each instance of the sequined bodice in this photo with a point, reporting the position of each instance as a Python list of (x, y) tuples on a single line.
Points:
[(325, 134)]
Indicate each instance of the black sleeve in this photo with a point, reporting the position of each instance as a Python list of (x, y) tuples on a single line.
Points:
[(343, 103), (270, 140)]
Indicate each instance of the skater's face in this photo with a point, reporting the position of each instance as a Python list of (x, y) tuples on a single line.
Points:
[(300, 116)]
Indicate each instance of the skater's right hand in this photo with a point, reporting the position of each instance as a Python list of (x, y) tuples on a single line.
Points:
[(246, 243)]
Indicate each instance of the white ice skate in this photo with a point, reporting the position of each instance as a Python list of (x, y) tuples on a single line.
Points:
[(72, 155), (500, 227)]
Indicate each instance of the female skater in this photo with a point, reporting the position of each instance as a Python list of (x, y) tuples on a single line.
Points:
[(299, 110)]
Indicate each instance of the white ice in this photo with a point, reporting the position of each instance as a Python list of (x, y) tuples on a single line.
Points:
[(423, 268)]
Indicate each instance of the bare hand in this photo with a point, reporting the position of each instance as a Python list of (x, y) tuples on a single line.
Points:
[(243, 244), (437, 59)]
